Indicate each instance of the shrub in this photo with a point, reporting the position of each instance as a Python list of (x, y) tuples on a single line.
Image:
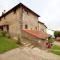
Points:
[(4, 33), (8, 35), (1, 33), (19, 40), (57, 34), (50, 40)]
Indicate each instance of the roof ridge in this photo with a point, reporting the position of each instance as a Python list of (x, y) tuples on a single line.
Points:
[(20, 4)]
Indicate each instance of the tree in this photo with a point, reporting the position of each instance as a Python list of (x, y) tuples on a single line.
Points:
[(57, 34)]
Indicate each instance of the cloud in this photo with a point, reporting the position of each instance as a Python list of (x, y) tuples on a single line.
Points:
[(51, 14), (7, 4), (49, 10)]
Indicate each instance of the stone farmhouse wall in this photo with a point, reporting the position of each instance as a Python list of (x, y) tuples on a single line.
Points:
[(30, 20), (13, 19), (18, 19), (41, 27)]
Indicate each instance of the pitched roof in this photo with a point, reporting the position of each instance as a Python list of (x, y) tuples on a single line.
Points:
[(42, 23), (37, 34), (19, 5)]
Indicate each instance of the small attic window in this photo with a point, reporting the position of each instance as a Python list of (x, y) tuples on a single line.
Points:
[(31, 28), (14, 11), (26, 11), (26, 26), (4, 17), (36, 28), (0, 19)]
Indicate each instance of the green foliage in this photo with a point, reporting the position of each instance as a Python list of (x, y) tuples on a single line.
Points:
[(8, 35), (3, 33), (55, 49), (50, 40), (19, 40), (7, 44), (57, 34)]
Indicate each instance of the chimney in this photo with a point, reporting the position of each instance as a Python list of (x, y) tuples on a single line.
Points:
[(3, 12)]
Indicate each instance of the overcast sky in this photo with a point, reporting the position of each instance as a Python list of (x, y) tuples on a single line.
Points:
[(49, 10)]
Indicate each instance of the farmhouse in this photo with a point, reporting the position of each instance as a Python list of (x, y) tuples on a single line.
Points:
[(22, 21), (42, 26)]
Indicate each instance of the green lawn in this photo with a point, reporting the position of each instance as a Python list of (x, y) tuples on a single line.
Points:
[(55, 49), (7, 44)]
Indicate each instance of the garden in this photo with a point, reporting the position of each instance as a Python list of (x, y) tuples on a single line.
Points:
[(6, 43)]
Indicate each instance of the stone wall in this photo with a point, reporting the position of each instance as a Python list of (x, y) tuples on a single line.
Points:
[(14, 21), (41, 27), (30, 19)]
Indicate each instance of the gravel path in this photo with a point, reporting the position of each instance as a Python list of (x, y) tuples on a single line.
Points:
[(26, 53)]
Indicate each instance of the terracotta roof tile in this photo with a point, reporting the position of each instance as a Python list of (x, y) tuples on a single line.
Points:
[(38, 34)]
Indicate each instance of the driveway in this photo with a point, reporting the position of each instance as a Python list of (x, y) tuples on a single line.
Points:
[(27, 53)]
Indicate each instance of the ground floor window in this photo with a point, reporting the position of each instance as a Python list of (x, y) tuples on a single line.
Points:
[(36, 28), (4, 28), (1, 27), (26, 26), (7, 27)]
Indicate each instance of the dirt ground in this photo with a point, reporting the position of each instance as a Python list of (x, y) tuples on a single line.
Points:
[(27, 53)]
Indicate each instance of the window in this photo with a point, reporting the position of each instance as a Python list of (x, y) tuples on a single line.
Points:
[(36, 28), (14, 11), (4, 17), (7, 27), (0, 19), (1, 28), (4, 28), (42, 30), (26, 26), (31, 28), (26, 11)]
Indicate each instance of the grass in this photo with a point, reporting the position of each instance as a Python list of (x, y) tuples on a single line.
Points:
[(7, 44), (55, 49)]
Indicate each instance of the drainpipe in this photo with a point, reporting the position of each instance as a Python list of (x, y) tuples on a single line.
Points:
[(21, 23)]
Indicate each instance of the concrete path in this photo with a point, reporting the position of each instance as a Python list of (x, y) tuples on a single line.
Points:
[(26, 53)]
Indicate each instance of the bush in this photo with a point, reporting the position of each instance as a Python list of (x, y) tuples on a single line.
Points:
[(57, 34), (8, 35), (1, 33), (51, 40), (4, 33), (19, 40)]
